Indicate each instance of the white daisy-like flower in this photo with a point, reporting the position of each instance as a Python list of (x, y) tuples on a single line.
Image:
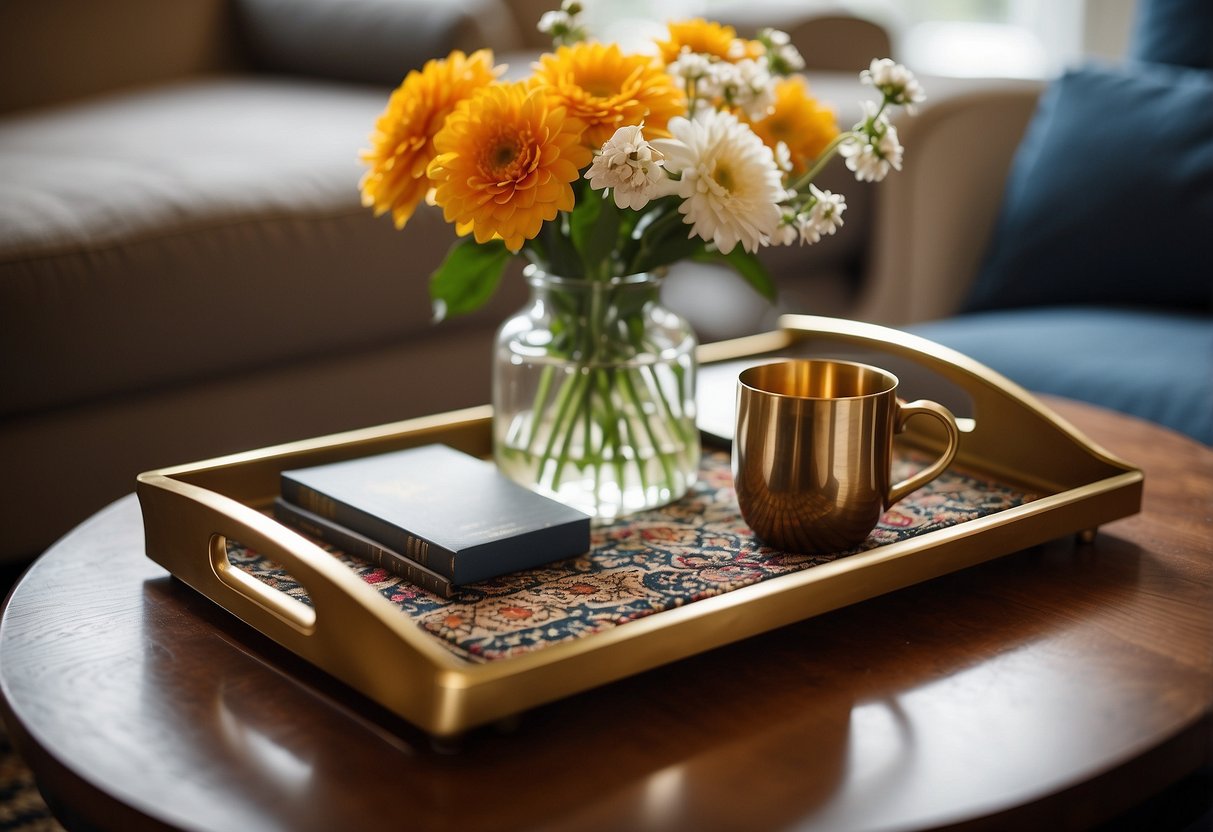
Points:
[(698, 74), (737, 49), (786, 232), (690, 66), (782, 57), (730, 186), (806, 230), (550, 21), (783, 160), (875, 148), (895, 82), (630, 167), (826, 214), (747, 84)]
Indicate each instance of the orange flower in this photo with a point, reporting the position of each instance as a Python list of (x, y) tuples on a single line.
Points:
[(607, 89), (506, 158), (798, 120), (402, 144), (707, 38)]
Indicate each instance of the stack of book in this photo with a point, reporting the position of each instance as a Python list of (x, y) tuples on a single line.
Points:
[(437, 517)]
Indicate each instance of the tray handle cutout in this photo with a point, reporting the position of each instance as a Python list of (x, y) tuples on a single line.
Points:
[(186, 529), (295, 613)]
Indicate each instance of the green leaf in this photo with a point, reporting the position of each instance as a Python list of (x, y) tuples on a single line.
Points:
[(594, 228), (750, 268), (562, 259), (673, 247), (467, 277)]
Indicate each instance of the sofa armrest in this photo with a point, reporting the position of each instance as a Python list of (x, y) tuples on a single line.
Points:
[(932, 220), (369, 41)]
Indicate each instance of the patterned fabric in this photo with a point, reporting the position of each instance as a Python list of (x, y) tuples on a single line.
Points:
[(641, 564), (22, 808)]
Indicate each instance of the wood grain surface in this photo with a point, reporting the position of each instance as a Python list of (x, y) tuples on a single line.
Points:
[(1056, 686)]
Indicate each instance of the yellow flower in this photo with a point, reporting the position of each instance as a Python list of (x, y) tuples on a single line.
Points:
[(402, 144), (506, 158), (607, 89), (798, 120), (707, 38)]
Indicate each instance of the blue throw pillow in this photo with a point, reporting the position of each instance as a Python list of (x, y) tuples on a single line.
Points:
[(1110, 195), (1176, 32)]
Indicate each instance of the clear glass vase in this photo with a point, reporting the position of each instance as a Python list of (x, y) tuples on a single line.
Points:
[(594, 394)]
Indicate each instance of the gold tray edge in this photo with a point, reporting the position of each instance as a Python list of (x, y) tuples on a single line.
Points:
[(446, 694)]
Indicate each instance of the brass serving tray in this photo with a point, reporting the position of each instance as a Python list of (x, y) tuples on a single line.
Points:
[(356, 635)]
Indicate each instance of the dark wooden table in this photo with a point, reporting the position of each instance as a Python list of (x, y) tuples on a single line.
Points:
[(1058, 686)]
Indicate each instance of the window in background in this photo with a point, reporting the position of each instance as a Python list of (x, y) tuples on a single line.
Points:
[(967, 38), (1007, 38)]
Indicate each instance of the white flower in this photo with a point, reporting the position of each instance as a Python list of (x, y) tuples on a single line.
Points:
[(825, 217), (807, 232), (748, 85), (874, 149), (696, 72), (783, 160), (737, 49), (786, 232), (782, 57), (630, 167), (563, 25), (895, 82), (730, 185), (552, 21), (690, 66)]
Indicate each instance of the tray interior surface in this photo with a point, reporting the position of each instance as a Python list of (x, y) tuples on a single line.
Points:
[(699, 547)]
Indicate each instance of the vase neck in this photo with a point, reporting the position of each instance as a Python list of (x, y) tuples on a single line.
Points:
[(638, 282)]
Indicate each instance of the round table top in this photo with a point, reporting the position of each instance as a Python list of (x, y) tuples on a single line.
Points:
[(1059, 685)]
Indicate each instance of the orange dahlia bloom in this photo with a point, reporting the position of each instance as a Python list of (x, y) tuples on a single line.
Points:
[(798, 120), (506, 158), (607, 89), (402, 144), (707, 38)]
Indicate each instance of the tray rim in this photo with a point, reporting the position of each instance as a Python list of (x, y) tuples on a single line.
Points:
[(446, 694)]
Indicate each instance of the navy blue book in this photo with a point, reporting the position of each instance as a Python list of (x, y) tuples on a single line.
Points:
[(361, 547), (450, 512)]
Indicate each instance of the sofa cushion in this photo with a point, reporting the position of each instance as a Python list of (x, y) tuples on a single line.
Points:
[(195, 230), (1157, 365), (1174, 32), (370, 41), (1110, 196)]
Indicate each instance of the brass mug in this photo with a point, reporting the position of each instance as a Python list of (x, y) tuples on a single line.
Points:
[(813, 451)]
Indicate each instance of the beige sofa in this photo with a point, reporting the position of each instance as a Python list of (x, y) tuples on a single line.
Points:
[(186, 270)]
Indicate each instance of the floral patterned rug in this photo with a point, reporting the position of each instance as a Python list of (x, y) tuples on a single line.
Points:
[(642, 564)]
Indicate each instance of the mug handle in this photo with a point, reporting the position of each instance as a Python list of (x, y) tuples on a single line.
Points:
[(937, 411)]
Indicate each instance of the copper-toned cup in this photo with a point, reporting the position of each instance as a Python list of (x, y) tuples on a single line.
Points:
[(813, 451)]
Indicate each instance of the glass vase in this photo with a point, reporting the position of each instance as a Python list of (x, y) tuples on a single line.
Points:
[(594, 394)]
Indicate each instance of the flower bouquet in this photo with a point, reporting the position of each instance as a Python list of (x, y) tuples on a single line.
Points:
[(601, 169)]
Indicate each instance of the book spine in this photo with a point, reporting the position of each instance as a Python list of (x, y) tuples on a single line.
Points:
[(362, 548), (398, 540)]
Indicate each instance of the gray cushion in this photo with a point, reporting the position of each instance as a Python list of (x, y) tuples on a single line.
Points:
[(1152, 364), (193, 230), (374, 41)]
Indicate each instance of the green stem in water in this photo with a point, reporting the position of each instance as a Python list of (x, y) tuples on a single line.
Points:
[(629, 390), (568, 391), (540, 406)]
